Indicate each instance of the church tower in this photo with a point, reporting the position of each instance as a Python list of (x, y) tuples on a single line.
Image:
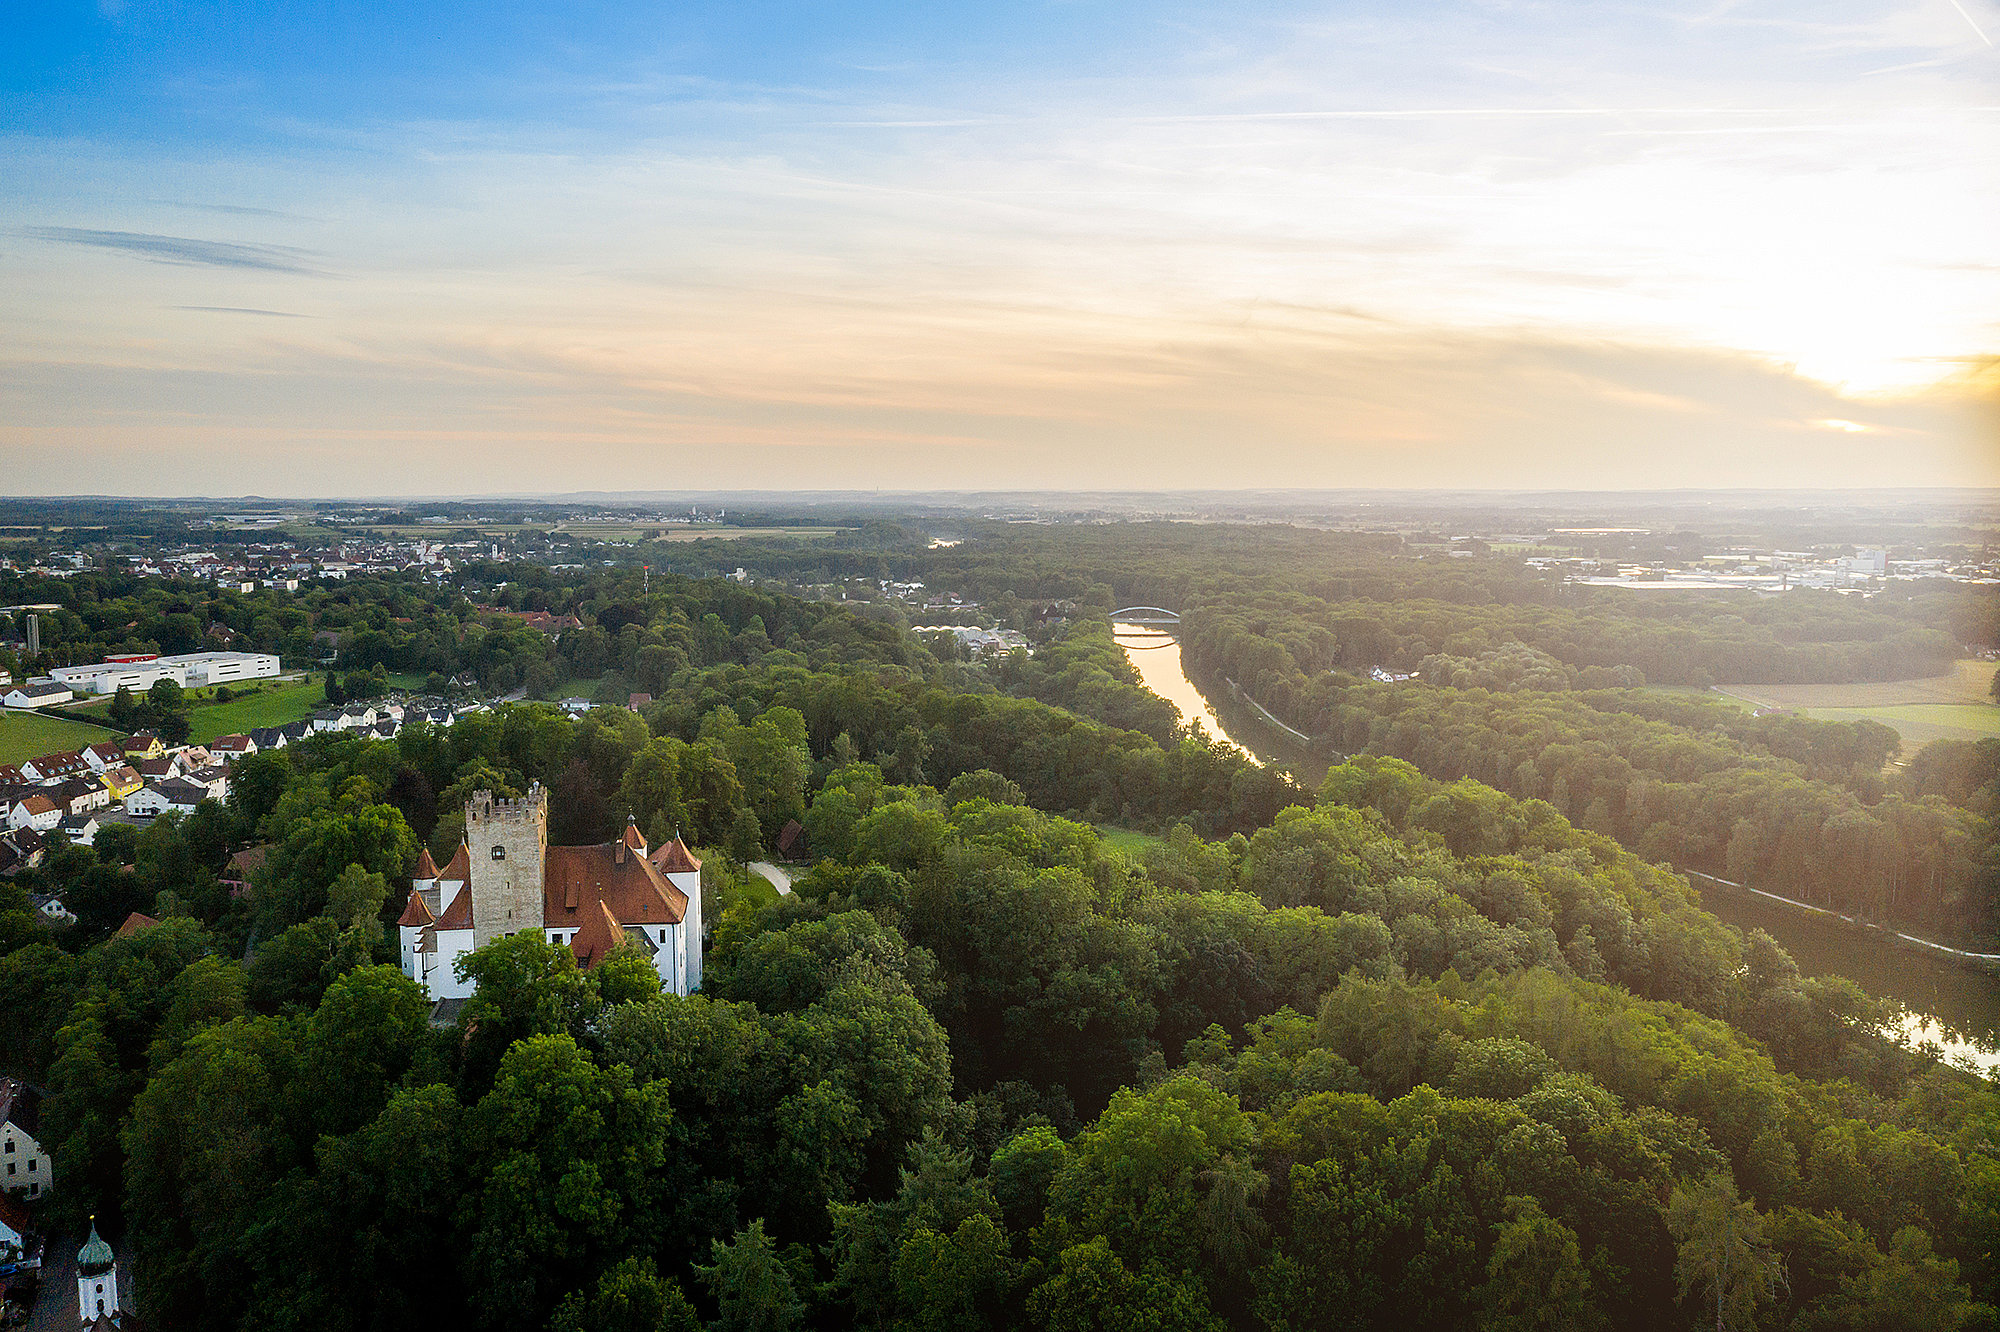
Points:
[(96, 1279), (508, 841)]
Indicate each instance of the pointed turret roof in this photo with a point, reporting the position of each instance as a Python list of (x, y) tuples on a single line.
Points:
[(95, 1256), (417, 911), (426, 867), (673, 857), (633, 837), (460, 868)]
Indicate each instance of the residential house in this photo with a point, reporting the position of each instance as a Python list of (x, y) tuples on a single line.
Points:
[(215, 777), (177, 795), (79, 829), (52, 909), (10, 775), (134, 923), (28, 1169), (575, 706), (36, 694), (19, 850), (37, 812), (78, 795), (229, 748), (243, 867), (103, 755), (142, 745), (121, 781), (54, 767), (637, 702), (159, 769), (194, 756), (268, 737)]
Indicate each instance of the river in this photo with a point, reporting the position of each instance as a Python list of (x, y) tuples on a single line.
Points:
[(1956, 1008)]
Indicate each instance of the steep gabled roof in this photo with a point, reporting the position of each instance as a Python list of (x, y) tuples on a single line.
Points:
[(673, 857), (634, 838), (134, 923)]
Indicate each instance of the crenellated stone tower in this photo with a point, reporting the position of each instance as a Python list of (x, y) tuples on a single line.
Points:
[(509, 841)]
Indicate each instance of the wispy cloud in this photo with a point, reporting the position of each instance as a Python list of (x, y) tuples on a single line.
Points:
[(184, 250), (241, 310)]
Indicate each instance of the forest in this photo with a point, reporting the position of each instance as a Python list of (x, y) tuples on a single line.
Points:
[(1409, 1049)]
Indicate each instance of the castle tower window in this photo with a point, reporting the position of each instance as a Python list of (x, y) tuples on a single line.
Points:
[(499, 853)]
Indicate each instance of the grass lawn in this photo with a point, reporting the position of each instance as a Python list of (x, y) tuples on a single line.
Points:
[(26, 735), (267, 707), (1129, 840)]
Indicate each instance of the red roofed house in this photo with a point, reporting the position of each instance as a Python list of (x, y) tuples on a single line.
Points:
[(37, 812), (507, 878)]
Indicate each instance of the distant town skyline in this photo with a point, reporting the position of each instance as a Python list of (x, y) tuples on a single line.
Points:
[(534, 249)]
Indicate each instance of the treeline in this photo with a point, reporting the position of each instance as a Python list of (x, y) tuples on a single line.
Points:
[(1388, 604)]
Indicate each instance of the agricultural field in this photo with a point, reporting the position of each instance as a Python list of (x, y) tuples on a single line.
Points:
[(1939, 707), (23, 735)]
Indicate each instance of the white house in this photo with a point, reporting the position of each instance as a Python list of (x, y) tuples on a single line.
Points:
[(591, 899), (54, 767), (36, 694), (27, 1169), (103, 756), (37, 812)]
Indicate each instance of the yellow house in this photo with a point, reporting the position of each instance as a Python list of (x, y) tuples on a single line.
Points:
[(121, 781), (144, 745)]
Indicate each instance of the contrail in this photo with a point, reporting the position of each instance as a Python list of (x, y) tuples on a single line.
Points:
[(1970, 24)]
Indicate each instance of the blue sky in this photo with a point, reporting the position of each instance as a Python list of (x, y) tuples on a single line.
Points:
[(348, 248)]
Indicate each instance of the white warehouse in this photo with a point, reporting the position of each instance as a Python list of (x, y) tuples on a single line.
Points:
[(140, 673)]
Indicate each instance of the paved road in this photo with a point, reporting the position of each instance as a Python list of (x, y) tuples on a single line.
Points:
[(55, 1310), (780, 880)]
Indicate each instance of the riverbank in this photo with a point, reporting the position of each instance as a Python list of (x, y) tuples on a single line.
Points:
[(1987, 963)]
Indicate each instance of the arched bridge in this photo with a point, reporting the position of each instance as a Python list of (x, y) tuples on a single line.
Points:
[(1146, 615)]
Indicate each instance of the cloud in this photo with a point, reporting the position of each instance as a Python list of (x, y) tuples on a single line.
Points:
[(183, 250), (240, 309)]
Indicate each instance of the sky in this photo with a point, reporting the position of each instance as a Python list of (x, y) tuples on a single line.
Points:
[(331, 249)]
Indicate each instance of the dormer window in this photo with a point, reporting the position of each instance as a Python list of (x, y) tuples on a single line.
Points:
[(499, 853)]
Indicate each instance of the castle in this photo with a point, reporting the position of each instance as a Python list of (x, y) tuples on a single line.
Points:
[(506, 878)]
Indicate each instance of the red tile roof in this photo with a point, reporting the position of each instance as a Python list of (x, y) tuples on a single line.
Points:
[(134, 923), (597, 934), (458, 916), (634, 838), (460, 868), (578, 878), (416, 912), (426, 867), (673, 857)]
